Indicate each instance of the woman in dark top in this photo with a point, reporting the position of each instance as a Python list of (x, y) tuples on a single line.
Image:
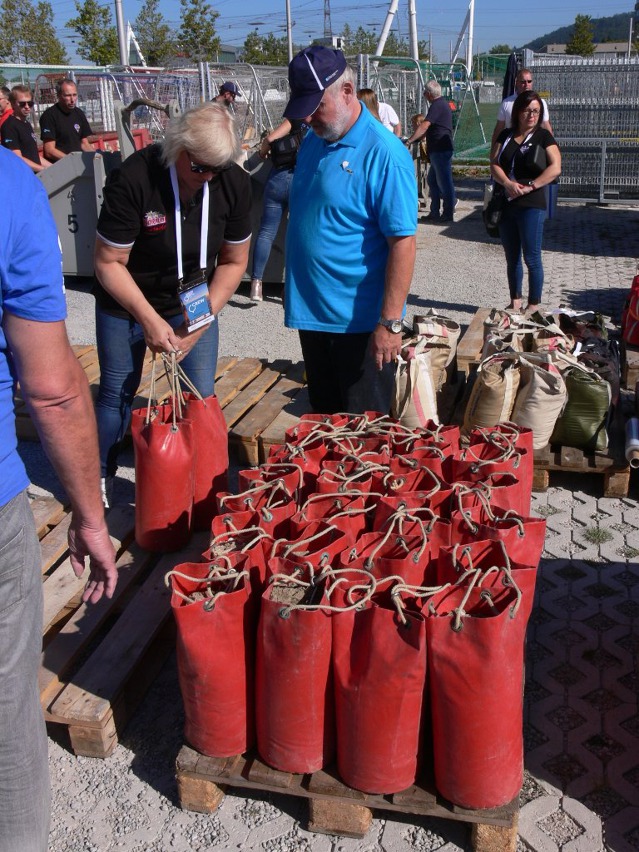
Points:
[(525, 159), (172, 245)]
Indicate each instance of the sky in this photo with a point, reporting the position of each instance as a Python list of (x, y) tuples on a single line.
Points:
[(496, 21)]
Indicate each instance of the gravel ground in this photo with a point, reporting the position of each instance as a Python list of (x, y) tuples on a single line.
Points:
[(129, 802)]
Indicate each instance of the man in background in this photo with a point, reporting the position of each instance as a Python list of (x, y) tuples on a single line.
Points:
[(523, 83), (437, 127), (64, 127), (350, 246), (35, 349), (17, 132), (227, 94)]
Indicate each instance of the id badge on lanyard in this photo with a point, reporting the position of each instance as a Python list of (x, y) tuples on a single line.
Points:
[(194, 298), (194, 292)]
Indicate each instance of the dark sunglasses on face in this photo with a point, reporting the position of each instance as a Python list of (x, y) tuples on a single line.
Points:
[(202, 169), (25, 103)]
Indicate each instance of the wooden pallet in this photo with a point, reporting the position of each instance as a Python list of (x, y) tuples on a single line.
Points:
[(471, 342), (251, 394), (629, 365), (98, 660), (334, 808)]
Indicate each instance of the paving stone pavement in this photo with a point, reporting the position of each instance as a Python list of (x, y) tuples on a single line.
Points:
[(581, 790)]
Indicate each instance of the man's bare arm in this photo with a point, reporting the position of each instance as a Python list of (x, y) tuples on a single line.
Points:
[(399, 273), (57, 393)]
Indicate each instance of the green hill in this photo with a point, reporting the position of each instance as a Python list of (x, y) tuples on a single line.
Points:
[(613, 28)]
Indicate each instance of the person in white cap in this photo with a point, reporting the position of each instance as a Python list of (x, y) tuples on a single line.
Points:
[(350, 247)]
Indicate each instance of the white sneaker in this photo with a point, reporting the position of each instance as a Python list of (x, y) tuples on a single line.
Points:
[(256, 290), (106, 489)]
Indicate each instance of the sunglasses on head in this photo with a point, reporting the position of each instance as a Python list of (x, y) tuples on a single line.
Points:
[(202, 168), (25, 103)]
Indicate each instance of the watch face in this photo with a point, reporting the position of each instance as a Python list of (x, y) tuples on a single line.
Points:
[(396, 326)]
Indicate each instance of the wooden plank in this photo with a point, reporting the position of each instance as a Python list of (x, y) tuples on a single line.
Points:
[(327, 783), (72, 639), (62, 584), (249, 396), (260, 773), (88, 700), (238, 377), (55, 543), (47, 511), (472, 341), (245, 434)]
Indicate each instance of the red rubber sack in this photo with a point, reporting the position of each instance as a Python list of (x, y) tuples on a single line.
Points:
[(387, 555), (341, 476), (211, 455), (319, 545), (509, 437), (422, 471), (380, 671), (437, 499), (215, 659), (475, 672), (630, 315), (295, 713), (502, 490), (479, 461), (250, 541), (446, 438), (271, 501), (344, 511), (290, 475), (164, 478), (414, 522), (455, 562)]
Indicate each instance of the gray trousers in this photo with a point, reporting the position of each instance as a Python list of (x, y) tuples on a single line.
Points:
[(24, 775)]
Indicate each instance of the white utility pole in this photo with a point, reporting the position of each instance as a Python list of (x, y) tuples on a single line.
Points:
[(119, 22), (412, 29)]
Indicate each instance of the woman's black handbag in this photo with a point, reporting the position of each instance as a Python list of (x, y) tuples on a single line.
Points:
[(493, 212), (284, 151)]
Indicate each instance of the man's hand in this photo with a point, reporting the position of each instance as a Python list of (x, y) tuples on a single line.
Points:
[(384, 346), (95, 543)]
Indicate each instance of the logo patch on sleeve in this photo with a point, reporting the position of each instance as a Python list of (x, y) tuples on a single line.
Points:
[(153, 221)]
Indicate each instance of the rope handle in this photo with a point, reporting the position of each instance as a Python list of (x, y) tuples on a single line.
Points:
[(285, 612)]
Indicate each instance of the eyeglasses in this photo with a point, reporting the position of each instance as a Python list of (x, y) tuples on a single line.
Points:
[(25, 103), (527, 82), (202, 168), (530, 111)]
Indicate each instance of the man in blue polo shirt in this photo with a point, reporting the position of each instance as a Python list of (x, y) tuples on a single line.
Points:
[(34, 347), (350, 247)]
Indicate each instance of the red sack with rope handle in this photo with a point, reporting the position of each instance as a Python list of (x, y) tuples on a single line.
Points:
[(413, 522), (344, 511), (502, 490), (630, 315), (319, 545), (509, 438), (446, 438), (272, 502), (388, 554), (210, 436), (379, 662), (295, 713), (241, 537), (216, 622), (475, 640), (289, 475), (163, 446), (421, 471)]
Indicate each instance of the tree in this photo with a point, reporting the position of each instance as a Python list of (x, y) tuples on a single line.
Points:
[(253, 50), (98, 37), (265, 50), (28, 34), (155, 37), (500, 48), (196, 38), (581, 43)]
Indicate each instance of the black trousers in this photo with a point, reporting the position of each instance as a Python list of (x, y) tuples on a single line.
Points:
[(342, 375)]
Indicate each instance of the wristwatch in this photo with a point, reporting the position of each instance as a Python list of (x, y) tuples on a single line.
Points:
[(393, 325)]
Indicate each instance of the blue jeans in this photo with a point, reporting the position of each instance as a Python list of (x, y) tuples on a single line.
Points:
[(121, 350), (342, 375), (521, 230), (24, 775), (440, 183), (275, 202)]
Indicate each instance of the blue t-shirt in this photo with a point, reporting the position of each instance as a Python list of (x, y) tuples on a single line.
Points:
[(439, 136), (346, 198), (31, 287)]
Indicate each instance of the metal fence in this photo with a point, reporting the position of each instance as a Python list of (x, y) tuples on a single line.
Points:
[(594, 111)]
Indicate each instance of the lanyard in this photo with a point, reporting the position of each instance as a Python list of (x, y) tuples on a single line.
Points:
[(204, 227)]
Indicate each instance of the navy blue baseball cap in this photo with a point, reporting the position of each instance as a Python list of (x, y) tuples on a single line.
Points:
[(229, 87), (310, 72)]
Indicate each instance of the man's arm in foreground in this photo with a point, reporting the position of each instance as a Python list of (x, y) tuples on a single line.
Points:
[(399, 273), (57, 393)]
